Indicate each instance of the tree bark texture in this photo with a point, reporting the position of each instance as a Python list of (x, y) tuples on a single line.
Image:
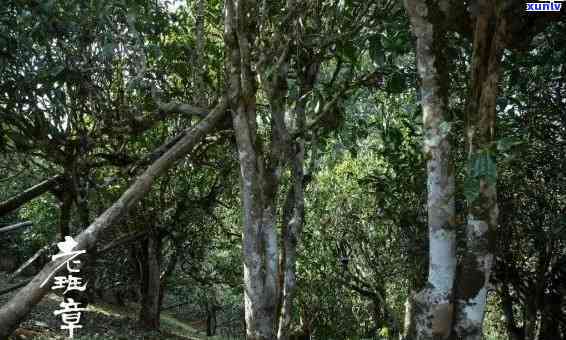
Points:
[(294, 209), (269, 289), (23, 301), (433, 309), (65, 209), (257, 184), (475, 269)]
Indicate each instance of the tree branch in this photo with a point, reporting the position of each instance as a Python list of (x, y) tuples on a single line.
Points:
[(176, 107), (27, 195), (14, 287), (15, 226), (30, 261), (123, 240)]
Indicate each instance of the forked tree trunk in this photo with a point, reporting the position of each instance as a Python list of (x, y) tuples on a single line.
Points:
[(12, 313), (433, 309), (475, 269), (258, 184)]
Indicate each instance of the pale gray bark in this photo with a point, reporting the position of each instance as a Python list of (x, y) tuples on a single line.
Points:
[(258, 182), (294, 210), (269, 287), (23, 301), (473, 278), (433, 304), (16, 226), (291, 238)]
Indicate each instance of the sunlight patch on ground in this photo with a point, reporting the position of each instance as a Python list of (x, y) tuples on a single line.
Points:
[(179, 328)]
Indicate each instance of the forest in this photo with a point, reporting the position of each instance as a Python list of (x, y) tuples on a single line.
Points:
[(289, 170)]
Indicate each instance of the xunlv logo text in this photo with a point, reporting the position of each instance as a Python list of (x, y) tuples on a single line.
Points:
[(544, 6)]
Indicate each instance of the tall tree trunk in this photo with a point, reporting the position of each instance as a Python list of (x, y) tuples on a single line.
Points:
[(258, 182), (260, 234), (433, 305), (24, 300), (262, 165), (294, 210), (291, 233), (151, 283), (475, 269)]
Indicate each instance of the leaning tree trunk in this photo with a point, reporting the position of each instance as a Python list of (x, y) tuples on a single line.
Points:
[(481, 196), (433, 308), (13, 312)]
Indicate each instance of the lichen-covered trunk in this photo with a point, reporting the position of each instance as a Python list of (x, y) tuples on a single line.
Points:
[(258, 175), (259, 231), (259, 242), (294, 209), (433, 308), (481, 195)]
